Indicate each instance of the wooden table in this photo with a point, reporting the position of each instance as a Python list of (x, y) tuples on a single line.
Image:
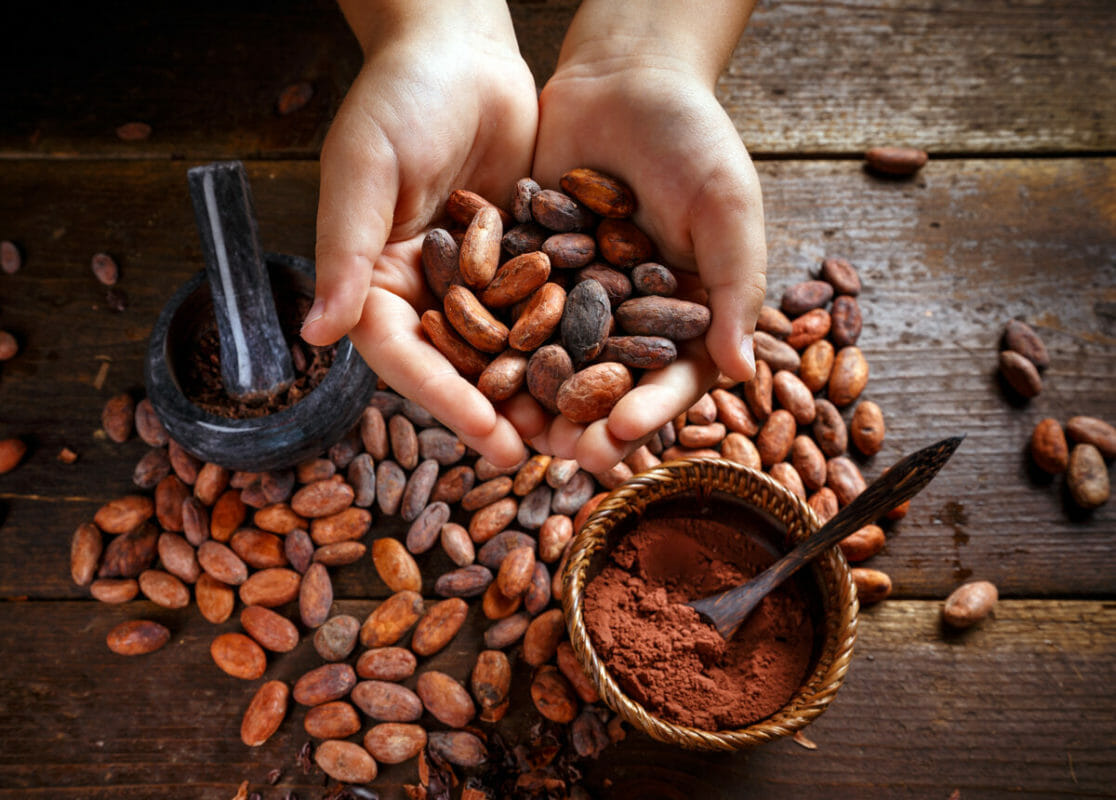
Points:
[(1014, 216)]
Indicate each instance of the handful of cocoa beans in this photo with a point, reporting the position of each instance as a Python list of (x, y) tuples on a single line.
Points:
[(561, 297)]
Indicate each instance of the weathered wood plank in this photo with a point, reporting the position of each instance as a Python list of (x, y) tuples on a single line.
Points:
[(1018, 707), (809, 77), (945, 260)]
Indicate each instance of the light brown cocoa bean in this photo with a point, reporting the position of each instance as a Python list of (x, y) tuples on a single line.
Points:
[(462, 205), (270, 629), (195, 521), (639, 352), (504, 376), (829, 429), (590, 393), (265, 713), (866, 428), (211, 481), (560, 471), (569, 250), (474, 322), (654, 279), (1095, 431), (674, 318), (739, 448), (616, 284), (894, 160), (843, 476), (86, 546), (554, 533), (441, 445), (496, 605), (540, 641), (703, 411), (863, 543), (461, 748), (271, 587), (346, 762), (404, 441), (537, 597), (775, 352), (847, 321), (969, 603), (1087, 477), (492, 519), (872, 585), (487, 493), (124, 514), (547, 370), (137, 637), (514, 575), (339, 554), (531, 474), (163, 589), (439, 261), (152, 468), (479, 254), (149, 427), (465, 358), (804, 296), (324, 684), (118, 417), (445, 698), (258, 549), (848, 377), (1023, 339), (457, 544), (776, 437), (622, 243), (299, 550), (238, 656), (601, 193), (794, 396), (114, 590), (809, 462), (1020, 373), (390, 620), (278, 518), (490, 682), (773, 321), (817, 364), (396, 567), (390, 702), (129, 554), (824, 504), (373, 433), (322, 498), (759, 392), (788, 476), (333, 720), (571, 669), (215, 599), (553, 696), (539, 319), (336, 639), (842, 275), (585, 321), (347, 525), (170, 494), (701, 435), (507, 631), (386, 664), (416, 493), (315, 595), (394, 742), (467, 581), (391, 481), (438, 626), (184, 464), (227, 514), (809, 328), (453, 485), (641, 459), (516, 279), (559, 212)]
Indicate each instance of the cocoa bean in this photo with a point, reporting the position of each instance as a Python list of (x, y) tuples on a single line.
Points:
[(867, 427), (324, 684), (525, 190), (585, 511), (490, 682), (1094, 431), (453, 485), (124, 514), (258, 549), (734, 413), (571, 669), (639, 352), (227, 514), (776, 437), (386, 664), (441, 445), (339, 554), (394, 742), (336, 638), (215, 599), (462, 205), (457, 747), (809, 462), (616, 284), (773, 321), (438, 626), (847, 321), (739, 448), (238, 656), (129, 554), (11, 259), (152, 468), (270, 587), (388, 623), (559, 212), (170, 494), (1020, 373), (776, 353), (1023, 339), (345, 761), (118, 417), (373, 433), (654, 279), (872, 585), (804, 296), (474, 322), (540, 641), (759, 392), (298, 547), (829, 429), (788, 476), (569, 250), (265, 713), (391, 480), (599, 192), (516, 569), (969, 603), (315, 595), (439, 261), (496, 605), (390, 702), (468, 581), (492, 519), (86, 546), (322, 498), (479, 254), (676, 319), (163, 589), (897, 161), (344, 526), (148, 426), (534, 508), (278, 518), (333, 720), (312, 470), (114, 590), (531, 474), (701, 435), (271, 630), (184, 464), (553, 696), (824, 504), (842, 275), (560, 471), (507, 631), (848, 377), (863, 543), (590, 393), (809, 328), (537, 596), (844, 478), (396, 567), (547, 370), (817, 364), (539, 319), (524, 238), (487, 493), (211, 481), (517, 279), (585, 321), (1087, 477), (621, 243), (496, 549), (416, 493), (465, 358), (137, 637), (445, 698), (457, 544)]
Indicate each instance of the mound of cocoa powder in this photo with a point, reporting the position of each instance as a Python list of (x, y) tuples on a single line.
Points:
[(662, 653)]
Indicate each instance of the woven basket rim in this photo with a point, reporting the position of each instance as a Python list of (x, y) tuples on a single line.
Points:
[(836, 587)]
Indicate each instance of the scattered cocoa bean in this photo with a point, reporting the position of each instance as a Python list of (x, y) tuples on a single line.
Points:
[(137, 637), (969, 603)]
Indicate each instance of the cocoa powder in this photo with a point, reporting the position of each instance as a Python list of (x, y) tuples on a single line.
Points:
[(659, 649)]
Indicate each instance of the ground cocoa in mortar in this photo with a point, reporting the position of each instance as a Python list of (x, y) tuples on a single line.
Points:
[(662, 653)]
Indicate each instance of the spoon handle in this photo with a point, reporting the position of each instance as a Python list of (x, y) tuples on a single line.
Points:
[(900, 483)]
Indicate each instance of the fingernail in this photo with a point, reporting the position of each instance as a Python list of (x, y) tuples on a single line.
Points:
[(316, 312), (748, 351)]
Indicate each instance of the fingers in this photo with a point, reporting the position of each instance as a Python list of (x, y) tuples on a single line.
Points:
[(731, 254), (359, 188), (388, 337)]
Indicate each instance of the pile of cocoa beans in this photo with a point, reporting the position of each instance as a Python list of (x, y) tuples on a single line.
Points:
[(566, 303)]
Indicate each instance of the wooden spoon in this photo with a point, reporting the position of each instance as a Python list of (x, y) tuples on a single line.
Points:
[(725, 611)]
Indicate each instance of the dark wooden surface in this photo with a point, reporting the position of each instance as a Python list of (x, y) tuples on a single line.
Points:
[(1014, 216)]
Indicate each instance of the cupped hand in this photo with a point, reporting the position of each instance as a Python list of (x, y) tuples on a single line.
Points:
[(660, 129), (434, 108)]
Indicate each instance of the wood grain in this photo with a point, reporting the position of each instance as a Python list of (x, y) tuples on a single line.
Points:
[(81, 722)]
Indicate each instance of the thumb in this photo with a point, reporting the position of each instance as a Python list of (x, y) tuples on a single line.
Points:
[(358, 192)]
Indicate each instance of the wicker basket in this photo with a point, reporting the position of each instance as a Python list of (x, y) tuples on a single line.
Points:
[(831, 572)]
